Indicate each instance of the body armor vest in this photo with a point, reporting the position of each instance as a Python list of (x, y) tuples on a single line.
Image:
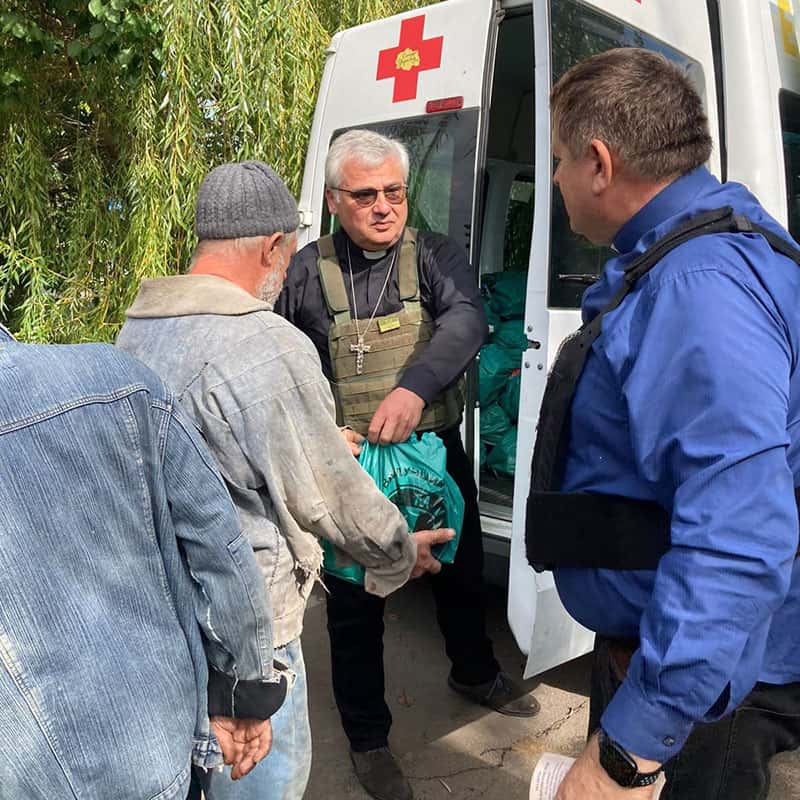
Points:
[(394, 342), (583, 529)]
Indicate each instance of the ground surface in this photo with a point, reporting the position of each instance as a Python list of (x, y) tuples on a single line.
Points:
[(449, 748)]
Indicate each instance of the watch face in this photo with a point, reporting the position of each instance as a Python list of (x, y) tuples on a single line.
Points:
[(616, 762)]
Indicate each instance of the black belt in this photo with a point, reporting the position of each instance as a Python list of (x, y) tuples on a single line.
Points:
[(579, 529)]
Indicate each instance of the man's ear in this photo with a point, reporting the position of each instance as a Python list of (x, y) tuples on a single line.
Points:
[(270, 246), (603, 164), (329, 196)]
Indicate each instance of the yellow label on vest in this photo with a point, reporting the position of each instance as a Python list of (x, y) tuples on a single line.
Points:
[(388, 324)]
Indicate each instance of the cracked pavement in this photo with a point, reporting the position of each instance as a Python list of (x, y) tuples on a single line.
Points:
[(449, 748)]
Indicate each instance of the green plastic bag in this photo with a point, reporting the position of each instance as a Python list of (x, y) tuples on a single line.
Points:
[(509, 400), (506, 292), (413, 475), (494, 423), (494, 367), (503, 457), (491, 317), (511, 335)]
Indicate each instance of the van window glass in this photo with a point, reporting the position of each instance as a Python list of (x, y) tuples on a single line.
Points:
[(441, 150), (577, 33), (790, 124)]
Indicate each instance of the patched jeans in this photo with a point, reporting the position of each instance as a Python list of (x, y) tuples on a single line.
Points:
[(724, 760), (283, 774)]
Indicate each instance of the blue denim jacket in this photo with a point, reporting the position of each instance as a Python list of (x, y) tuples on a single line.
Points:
[(131, 605)]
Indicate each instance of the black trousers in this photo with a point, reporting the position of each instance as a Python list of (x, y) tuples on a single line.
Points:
[(355, 623), (724, 760)]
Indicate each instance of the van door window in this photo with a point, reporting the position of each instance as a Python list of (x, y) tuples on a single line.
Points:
[(577, 33), (790, 124), (441, 151)]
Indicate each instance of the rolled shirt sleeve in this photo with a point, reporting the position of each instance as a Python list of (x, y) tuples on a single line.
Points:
[(707, 399)]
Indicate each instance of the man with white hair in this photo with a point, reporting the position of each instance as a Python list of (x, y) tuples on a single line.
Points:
[(396, 317), (253, 385)]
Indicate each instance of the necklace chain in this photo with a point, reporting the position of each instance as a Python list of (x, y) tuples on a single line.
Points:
[(360, 348), (380, 296)]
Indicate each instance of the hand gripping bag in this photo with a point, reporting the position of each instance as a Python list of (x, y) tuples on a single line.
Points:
[(414, 477)]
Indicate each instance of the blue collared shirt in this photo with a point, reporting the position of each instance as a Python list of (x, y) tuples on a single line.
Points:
[(691, 397)]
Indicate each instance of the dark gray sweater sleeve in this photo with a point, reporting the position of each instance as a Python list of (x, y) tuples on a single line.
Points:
[(449, 292)]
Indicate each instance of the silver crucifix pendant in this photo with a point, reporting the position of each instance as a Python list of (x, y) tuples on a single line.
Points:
[(359, 349)]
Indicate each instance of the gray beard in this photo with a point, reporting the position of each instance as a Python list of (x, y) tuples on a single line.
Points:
[(270, 290)]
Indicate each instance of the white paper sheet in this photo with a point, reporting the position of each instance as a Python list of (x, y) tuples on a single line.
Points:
[(551, 770)]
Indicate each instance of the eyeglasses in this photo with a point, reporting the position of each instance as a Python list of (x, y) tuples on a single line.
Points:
[(395, 194)]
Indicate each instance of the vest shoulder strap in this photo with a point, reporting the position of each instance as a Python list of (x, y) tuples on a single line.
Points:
[(720, 220), (408, 280), (332, 280)]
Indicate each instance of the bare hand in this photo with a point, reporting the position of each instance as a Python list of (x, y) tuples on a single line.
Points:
[(587, 780), (353, 440), (425, 559), (396, 417), (244, 742)]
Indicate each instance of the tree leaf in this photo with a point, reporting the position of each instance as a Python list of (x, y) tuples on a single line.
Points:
[(10, 77), (126, 56), (96, 8)]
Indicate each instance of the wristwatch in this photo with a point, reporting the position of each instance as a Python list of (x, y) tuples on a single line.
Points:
[(620, 766)]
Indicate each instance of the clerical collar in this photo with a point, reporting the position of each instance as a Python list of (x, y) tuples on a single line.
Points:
[(373, 255)]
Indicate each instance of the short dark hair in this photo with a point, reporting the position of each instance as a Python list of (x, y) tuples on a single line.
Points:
[(640, 104)]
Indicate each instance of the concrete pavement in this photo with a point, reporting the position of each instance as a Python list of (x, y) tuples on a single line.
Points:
[(449, 748)]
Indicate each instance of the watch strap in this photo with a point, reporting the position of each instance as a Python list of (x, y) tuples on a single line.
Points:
[(620, 765)]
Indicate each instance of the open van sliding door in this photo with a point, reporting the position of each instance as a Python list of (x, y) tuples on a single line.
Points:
[(561, 264)]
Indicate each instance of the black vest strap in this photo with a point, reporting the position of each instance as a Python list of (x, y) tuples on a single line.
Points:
[(584, 529)]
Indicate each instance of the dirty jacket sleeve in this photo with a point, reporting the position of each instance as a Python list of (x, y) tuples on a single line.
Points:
[(280, 415)]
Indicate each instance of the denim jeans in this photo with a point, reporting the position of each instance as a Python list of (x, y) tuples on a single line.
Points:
[(283, 774), (723, 760)]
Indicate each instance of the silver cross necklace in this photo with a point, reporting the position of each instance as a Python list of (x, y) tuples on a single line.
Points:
[(360, 347)]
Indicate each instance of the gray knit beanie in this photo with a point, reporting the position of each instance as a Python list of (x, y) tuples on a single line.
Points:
[(244, 199)]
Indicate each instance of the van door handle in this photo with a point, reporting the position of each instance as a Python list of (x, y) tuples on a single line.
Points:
[(586, 278)]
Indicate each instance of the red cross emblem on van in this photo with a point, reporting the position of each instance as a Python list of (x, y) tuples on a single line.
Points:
[(413, 55)]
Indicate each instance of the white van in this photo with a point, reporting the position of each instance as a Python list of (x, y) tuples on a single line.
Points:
[(465, 84)]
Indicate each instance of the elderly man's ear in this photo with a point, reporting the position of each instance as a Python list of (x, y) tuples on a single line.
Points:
[(272, 247)]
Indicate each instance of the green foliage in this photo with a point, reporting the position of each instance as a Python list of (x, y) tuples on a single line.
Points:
[(111, 113)]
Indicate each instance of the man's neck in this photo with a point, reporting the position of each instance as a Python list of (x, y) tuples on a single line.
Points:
[(211, 265), (632, 196)]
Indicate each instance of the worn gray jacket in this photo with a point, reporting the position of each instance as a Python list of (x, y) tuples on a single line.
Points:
[(253, 385)]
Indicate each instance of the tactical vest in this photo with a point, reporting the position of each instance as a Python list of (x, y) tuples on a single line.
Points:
[(583, 529), (394, 341)]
